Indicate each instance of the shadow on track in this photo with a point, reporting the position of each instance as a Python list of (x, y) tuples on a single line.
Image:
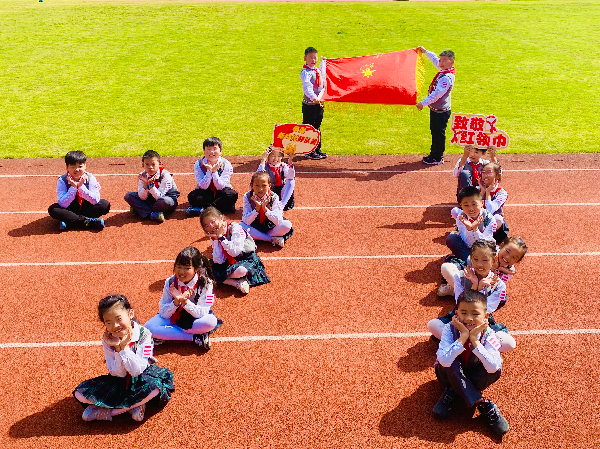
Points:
[(63, 418), (412, 417)]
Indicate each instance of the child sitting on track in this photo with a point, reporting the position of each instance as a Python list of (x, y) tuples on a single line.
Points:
[(468, 167), (234, 261), (473, 223), (134, 378), (281, 174), (79, 204), (494, 197), (213, 174), (184, 311), (468, 361), (480, 277), (512, 250), (157, 193), (262, 216)]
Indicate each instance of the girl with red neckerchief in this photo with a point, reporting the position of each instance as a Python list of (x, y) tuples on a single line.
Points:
[(185, 308), (234, 261), (494, 197)]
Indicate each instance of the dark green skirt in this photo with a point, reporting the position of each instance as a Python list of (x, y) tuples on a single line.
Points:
[(122, 392), (250, 261)]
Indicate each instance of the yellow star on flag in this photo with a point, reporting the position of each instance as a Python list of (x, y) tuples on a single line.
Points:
[(367, 70)]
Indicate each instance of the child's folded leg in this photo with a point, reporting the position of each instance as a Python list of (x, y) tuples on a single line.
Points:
[(458, 247), (281, 229), (163, 329), (139, 205), (72, 219), (255, 233), (225, 200), (448, 270), (165, 205), (507, 342), (203, 324), (288, 190), (467, 384), (436, 327), (465, 179)]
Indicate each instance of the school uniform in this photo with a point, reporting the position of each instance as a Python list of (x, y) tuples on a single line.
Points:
[(460, 244), (133, 375), (313, 83), (465, 369), (282, 182), (182, 323), (213, 189), (468, 174), (439, 102), (494, 206), (237, 249), (159, 196), (263, 226), (76, 205)]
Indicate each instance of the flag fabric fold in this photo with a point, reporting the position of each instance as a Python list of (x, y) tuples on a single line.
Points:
[(386, 78)]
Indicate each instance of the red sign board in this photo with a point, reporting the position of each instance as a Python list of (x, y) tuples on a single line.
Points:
[(295, 139)]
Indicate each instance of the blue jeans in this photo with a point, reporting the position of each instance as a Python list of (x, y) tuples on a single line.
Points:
[(145, 207), (458, 246)]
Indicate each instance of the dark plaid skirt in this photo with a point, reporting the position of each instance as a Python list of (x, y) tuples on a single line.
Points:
[(250, 261), (496, 327), (277, 190), (122, 392)]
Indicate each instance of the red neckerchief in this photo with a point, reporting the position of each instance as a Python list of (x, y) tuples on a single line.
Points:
[(275, 169), (262, 214), (475, 173), (212, 186), (465, 354), (77, 195), (440, 73), (318, 78), (177, 314), (228, 256), (156, 184), (496, 190)]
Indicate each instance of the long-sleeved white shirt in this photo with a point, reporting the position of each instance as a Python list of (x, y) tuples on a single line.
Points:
[(495, 295), (497, 199), (488, 352), (126, 361), (308, 82), (89, 191), (206, 298), (289, 172), (232, 242), (274, 214), (458, 168), (484, 231), (443, 85), (165, 183), (221, 178)]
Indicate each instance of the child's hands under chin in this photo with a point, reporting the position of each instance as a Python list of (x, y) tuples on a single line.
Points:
[(110, 339), (460, 326), (476, 332)]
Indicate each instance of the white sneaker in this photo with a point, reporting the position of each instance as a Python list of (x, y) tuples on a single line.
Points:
[(445, 290), (137, 413), (92, 413), (278, 241), (242, 285)]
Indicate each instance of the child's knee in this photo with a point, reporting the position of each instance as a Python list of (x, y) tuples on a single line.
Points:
[(448, 271), (436, 327), (507, 342)]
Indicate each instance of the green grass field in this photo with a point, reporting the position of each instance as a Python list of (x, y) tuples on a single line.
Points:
[(118, 78)]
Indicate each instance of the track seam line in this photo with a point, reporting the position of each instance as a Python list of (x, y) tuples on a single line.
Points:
[(351, 336), (276, 258), (365, 206), (324, 173)]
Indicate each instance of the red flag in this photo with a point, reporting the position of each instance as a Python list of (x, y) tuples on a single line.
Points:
[(385, 78)]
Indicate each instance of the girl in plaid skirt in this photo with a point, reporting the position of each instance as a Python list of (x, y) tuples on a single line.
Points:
[(134, 378)]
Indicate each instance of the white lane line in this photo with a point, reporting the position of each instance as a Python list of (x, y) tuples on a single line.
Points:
[(363, 206), (323, 172), (276, 258), (308, 337)]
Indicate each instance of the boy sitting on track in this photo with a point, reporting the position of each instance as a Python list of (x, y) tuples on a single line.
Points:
[(213, 174), (468, 167), (469, 361), (79, 204), (157, 193), (472, 221)]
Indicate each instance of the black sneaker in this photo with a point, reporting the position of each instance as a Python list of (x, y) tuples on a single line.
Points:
[(431, 161), (321, 154), (496, 422), (202, 340), (95, 223), (313, 156), (443, 407)]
